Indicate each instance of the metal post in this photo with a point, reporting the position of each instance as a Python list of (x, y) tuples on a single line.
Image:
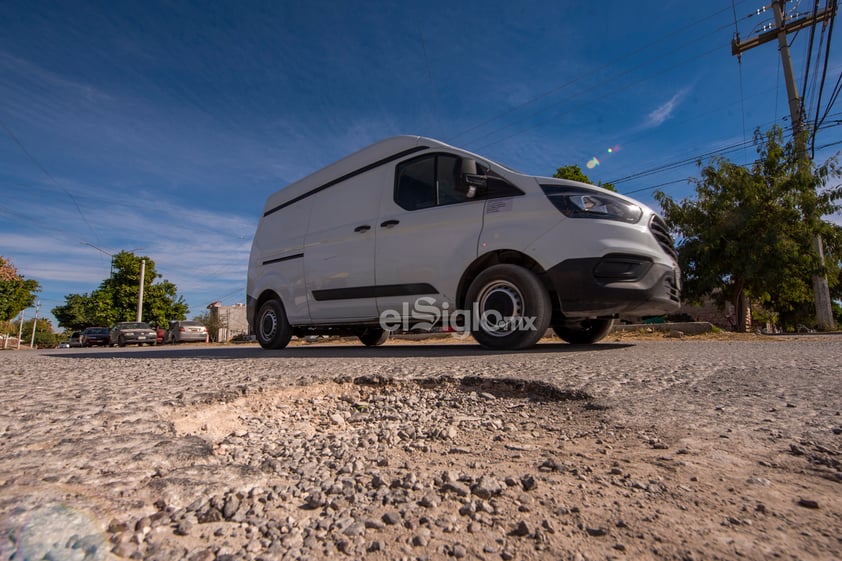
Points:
[(20, 329), (140, 290), (34, 325)]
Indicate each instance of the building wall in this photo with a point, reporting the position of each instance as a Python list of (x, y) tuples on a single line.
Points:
[(232, 320)]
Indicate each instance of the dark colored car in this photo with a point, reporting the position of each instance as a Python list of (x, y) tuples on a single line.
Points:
[(94, 336), (132, 333), (184, 331)]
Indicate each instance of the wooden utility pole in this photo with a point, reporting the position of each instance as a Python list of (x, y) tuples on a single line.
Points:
[(821, 292)]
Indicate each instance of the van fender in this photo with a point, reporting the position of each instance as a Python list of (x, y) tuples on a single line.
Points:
[(510, 256), (290, 289)]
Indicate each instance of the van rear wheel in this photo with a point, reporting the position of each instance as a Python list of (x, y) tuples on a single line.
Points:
[(271, 325), (373, 336), (585, 332), (510, 308)]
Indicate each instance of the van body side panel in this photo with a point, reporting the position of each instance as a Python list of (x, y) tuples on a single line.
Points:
[(332, 174), (516, 222), (426, 247), (339, 248), (276, 262), (432, 246)]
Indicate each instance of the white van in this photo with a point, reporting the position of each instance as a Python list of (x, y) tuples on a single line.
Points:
[(411, 233)]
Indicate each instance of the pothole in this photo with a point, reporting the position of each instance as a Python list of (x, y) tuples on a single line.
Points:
[(340, 462)]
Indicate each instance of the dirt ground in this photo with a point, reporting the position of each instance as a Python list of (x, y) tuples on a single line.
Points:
[(710, 447)]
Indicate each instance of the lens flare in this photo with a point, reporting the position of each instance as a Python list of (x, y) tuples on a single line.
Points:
[(592, 163)]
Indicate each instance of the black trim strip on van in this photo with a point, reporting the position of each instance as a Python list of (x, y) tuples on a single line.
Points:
[(364, 169), (374, 291), (287, 258)]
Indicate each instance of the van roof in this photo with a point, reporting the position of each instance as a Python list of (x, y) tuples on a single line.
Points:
[(369, 157)]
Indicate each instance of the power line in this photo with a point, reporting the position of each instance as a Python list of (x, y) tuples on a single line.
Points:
[(590, 100), (580, 78), (38, 164), (735, 147), (816, 122)]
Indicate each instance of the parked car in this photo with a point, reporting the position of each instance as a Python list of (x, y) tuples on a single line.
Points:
[(184, 331), (95, 336), (132, 333), (75, 339), (161, 334)]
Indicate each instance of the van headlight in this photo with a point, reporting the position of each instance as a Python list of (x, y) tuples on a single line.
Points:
[(577, 202)]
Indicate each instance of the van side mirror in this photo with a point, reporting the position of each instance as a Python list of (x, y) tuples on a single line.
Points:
[(470, 180)]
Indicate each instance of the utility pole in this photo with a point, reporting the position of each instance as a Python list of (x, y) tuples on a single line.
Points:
[(34, 324), (821, 292), (140, 290)]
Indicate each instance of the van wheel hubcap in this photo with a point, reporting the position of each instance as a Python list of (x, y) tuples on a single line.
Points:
[(268, 325), (500, 304)]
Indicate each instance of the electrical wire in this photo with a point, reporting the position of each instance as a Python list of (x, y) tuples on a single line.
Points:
[(809, 55), (816, 122), (43, 169), (734, 147), (740, 67), (580, 78)]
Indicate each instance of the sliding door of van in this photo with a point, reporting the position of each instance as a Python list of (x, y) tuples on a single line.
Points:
[(427, 234), (339, 249)]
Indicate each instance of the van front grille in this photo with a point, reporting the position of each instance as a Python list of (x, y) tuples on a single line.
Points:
[(662, 235)]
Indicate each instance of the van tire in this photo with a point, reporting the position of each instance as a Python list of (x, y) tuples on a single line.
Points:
[(271, 325), (373, 336), (585, 332), (509, 289)]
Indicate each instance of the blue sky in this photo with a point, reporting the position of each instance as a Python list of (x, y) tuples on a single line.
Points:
[(165, 125)]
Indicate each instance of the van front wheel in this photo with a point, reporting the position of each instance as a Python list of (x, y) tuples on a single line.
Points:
[(271, 325), (510, 308), (585, 332)]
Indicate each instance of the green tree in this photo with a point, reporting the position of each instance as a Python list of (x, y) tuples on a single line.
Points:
[(116, 298), (213, 323), (575, 173), (748, 233), (73, 316), (16, 292), (44, 336)]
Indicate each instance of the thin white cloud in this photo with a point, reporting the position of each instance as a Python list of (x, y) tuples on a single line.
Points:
[(657, 117)]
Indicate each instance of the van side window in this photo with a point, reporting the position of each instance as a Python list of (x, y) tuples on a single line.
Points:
[(433, 180), (428, 181), (415, 186)]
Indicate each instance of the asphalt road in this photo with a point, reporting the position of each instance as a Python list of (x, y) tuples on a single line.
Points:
[(718, 447)]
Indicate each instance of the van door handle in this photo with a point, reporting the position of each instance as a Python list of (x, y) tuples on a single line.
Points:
[(389, 223), (363, 228)]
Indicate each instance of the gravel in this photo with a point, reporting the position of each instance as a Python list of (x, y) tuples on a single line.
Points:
[(424, 452)]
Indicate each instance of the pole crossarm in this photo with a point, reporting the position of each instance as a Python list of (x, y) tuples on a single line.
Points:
[(739, 47)]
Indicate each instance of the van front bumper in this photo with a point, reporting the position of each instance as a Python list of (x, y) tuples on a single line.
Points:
[(615, 284)]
